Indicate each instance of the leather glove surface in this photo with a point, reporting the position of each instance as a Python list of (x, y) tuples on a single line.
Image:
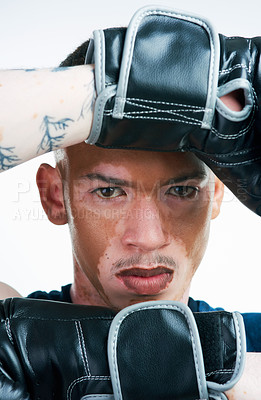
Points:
[(51, 350), (159, 84)]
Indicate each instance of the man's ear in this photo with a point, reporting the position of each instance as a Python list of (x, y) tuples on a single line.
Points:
[(218, 197), (50, 187)]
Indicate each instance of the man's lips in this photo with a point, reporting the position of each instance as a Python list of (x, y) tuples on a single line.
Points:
[(146, 281)]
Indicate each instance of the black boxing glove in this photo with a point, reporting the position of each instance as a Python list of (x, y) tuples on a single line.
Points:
[(159, 84), (53, 351), (58, 351), (160, 350)]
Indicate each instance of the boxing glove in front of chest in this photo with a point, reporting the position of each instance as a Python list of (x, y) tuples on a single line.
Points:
[(52, 350)]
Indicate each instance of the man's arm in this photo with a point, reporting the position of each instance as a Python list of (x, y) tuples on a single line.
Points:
[(45, 109), (7, 291), (248, 386), (42, 110)]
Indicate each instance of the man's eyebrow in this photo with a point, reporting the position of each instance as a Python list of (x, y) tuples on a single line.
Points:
[(123, 182), (108, 179), (187, 177)]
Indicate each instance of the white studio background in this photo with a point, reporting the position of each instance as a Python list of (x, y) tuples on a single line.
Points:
[(36, 254)]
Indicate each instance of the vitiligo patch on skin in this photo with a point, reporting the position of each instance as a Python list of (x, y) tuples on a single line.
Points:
[(143, 218)]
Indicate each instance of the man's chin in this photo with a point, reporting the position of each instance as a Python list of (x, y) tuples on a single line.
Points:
[(129, 299)]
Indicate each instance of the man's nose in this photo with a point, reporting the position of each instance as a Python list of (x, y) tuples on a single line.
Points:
[(144, 227)]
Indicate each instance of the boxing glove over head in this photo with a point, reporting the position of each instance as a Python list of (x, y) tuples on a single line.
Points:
[(159, 84)]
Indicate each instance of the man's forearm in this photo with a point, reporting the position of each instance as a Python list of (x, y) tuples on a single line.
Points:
[(7, 291), (42, 110), (249, 386)]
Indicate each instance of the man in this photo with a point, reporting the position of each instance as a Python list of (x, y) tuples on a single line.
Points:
[(137, 233)]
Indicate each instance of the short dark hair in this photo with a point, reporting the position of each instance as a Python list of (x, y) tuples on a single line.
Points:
[(77, 57)]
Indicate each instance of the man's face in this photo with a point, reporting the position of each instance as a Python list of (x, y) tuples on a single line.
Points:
[(139, 222)]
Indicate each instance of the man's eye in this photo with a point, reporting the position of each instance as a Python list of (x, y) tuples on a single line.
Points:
[(183, 191), (109, 192)]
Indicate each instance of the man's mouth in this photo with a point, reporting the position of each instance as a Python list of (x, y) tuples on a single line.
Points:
[(146, 281)]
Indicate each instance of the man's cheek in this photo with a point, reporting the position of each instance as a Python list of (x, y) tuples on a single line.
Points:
[(92, 232), (197, 240), (193, 232)]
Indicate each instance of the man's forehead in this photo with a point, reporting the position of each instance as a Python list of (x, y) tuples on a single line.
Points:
[(85, 159)]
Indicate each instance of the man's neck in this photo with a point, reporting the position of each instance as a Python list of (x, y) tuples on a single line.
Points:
[(83, 292)]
